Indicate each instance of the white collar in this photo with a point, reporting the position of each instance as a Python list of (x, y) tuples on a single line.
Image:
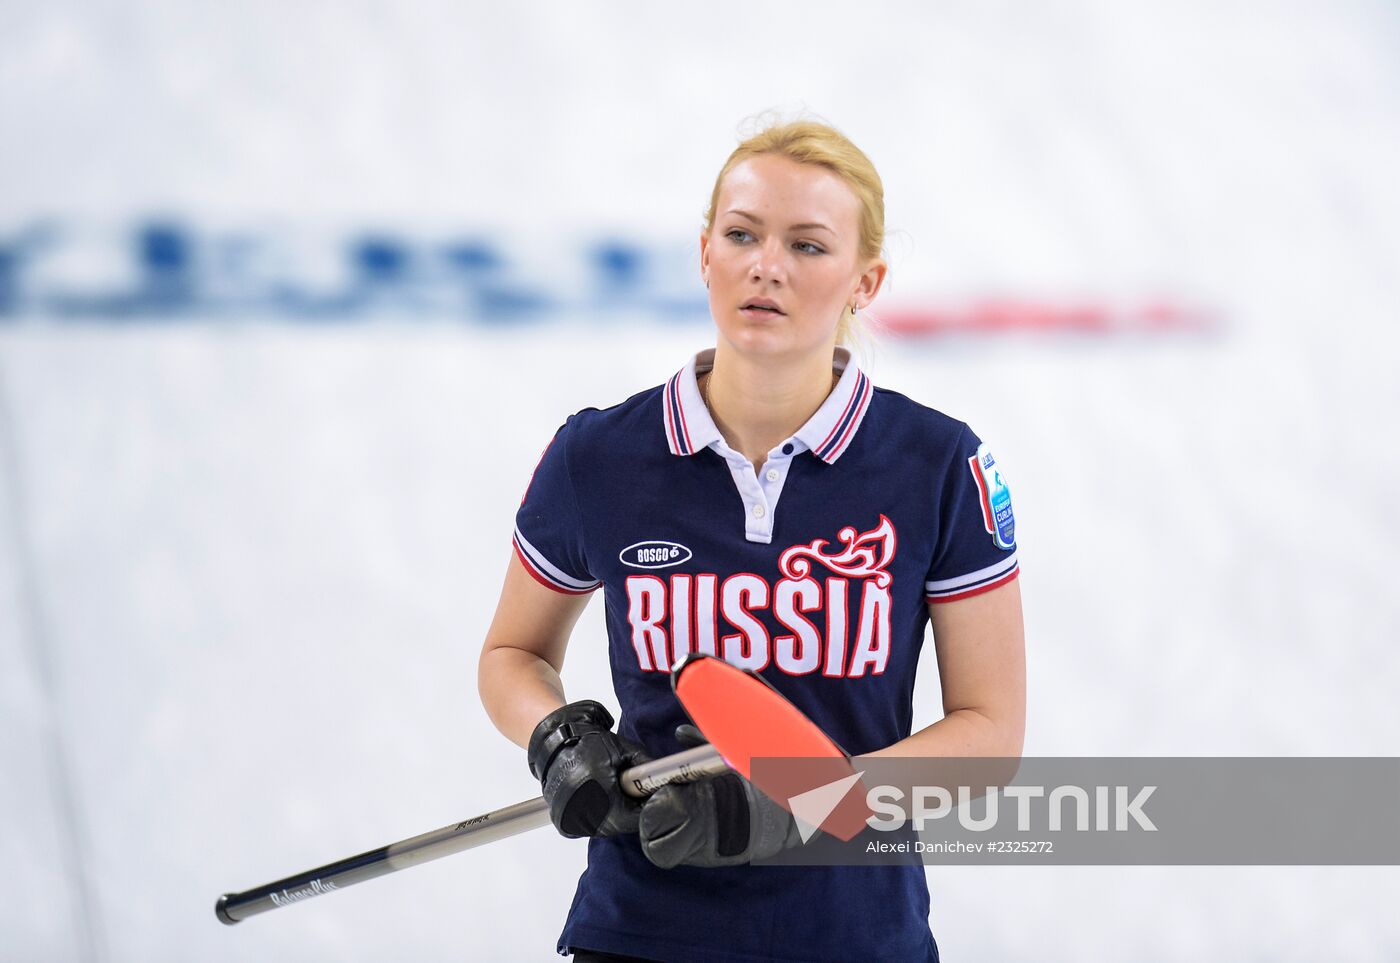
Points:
[(828, 433)]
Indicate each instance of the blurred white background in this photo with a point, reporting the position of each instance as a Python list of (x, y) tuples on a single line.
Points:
[(246, 561)]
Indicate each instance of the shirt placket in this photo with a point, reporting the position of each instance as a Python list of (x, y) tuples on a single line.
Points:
[(759, 492)]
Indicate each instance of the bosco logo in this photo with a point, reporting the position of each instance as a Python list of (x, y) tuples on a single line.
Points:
[(654, 555)]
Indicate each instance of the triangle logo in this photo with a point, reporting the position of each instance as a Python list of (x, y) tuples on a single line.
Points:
[(811, 808)]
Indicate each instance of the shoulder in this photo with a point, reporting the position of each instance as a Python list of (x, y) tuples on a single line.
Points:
[(628, 422), (916, 428)]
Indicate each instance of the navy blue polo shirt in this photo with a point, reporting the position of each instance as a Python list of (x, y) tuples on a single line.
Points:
[(816, 572)]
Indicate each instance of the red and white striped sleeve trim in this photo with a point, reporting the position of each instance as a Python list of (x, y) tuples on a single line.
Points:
[(973, 583), (546, 573)]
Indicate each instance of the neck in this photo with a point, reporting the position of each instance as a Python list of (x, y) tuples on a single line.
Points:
[(757, 403)]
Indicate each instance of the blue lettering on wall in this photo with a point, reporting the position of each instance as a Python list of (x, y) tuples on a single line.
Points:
[(175, 270)]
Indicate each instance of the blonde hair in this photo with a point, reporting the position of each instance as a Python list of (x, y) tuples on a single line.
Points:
[(812, 142)]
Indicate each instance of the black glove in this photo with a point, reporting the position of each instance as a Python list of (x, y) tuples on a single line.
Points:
[(577, 758), (719, 821)]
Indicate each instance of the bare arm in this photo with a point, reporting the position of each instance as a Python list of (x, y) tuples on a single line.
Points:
[(980, 642), (518, 673)]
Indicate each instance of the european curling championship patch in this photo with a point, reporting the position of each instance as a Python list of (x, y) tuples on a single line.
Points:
[(996, 498)]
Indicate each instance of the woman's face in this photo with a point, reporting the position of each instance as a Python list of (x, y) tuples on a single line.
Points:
[(781, 259)]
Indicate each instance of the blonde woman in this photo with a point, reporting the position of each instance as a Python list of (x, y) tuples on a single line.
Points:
[(769, 505)]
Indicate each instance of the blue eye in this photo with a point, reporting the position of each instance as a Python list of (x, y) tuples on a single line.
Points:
[(744, 235), (807, 247)]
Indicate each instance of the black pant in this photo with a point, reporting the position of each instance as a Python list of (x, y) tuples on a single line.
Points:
[(593, 956)]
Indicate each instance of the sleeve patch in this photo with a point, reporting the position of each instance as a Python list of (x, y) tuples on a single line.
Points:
[(995, 498)]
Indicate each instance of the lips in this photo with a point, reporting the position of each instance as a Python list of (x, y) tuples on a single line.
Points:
[(761, 306)]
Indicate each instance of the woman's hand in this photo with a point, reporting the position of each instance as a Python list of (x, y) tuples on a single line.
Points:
[(719, 821), (577, 758)]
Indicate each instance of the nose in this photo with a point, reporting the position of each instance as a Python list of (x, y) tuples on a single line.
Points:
[(768, 261)]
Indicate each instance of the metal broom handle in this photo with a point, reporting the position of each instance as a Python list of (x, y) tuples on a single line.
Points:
[(687, 766)]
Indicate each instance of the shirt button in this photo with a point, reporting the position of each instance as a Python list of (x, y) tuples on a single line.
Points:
[(772, 474), (787, 449), (758, 511)]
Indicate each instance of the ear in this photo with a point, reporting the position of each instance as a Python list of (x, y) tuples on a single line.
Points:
[(869, 283), (705, 256)]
